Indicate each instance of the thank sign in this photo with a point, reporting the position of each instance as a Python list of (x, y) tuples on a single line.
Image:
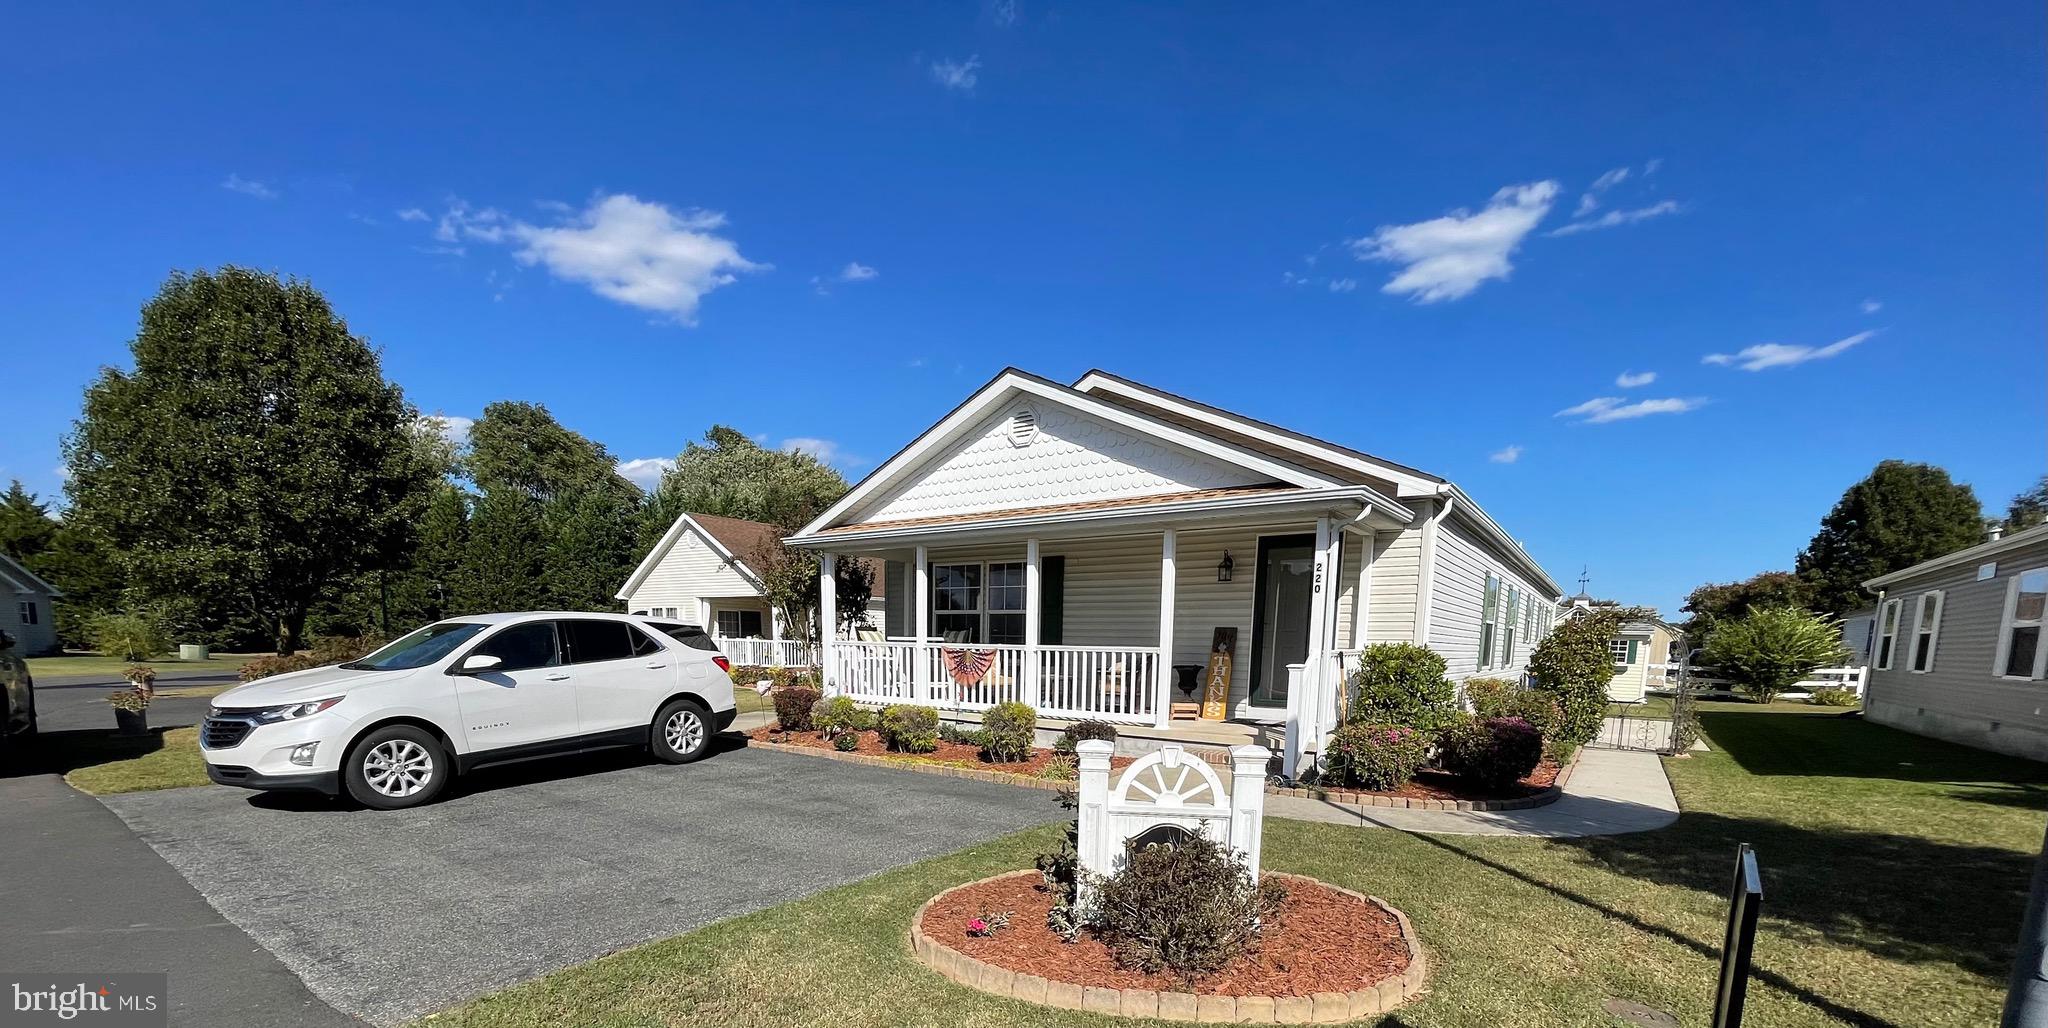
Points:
[(1216, 693)]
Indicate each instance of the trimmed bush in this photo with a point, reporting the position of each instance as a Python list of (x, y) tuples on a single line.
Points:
[(1771, 648), (793, 708), (1374, 756), (1830, 697), (1402, 684), (128, 637), (846, 742), (1008, 731), (1538, 708), (910, 729), (1574, 665), (1081, 731), (1494, 752), (836, 714), (745, 675), (951, 732), (1189, 908), (1487, 693)]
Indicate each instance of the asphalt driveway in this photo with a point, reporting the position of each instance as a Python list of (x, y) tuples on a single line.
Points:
[(392, 915)]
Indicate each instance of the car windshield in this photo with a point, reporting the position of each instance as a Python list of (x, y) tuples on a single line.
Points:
[(419, 649)]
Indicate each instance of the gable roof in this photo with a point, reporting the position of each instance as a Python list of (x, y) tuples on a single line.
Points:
[(16, 574), (1010, 382), (742, 544), (1968, 555)]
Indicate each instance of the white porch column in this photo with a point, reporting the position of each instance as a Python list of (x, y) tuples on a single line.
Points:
[(1162, 687), (1031, 609), (828, 621), (921, 629), (1307, 715)]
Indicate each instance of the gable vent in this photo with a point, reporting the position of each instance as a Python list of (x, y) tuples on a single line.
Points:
[(1023, 427)]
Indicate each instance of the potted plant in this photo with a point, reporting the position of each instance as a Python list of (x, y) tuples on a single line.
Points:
[(142, 678), (131, 711)]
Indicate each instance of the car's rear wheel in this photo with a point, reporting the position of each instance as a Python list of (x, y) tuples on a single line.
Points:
[(396, 766), (681, 732)]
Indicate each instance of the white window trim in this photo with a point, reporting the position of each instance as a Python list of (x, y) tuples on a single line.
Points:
[(2005, 627), (1620, 655), (981, 610), (1888, 655), (1932, 625)]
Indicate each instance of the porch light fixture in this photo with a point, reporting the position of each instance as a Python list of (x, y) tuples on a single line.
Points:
[(1224, 566)]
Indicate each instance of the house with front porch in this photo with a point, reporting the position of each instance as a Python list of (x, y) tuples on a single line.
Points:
[(1113, 551)]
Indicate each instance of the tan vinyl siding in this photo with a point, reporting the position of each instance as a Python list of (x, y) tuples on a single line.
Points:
[(689, 572), (1463, 563), (1396, 575), (1959, 698)]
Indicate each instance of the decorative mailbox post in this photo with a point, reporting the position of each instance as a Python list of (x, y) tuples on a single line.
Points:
[(1164, 795)]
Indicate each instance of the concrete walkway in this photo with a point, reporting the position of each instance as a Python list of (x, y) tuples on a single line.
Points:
[(1611, 792)]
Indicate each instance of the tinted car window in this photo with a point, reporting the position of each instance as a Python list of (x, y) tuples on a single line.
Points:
[(592, 641), (643, 644), (419, 649), (524, 646), (689, 635)]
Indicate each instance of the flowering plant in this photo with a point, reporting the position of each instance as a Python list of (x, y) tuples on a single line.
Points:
[(987, 924)]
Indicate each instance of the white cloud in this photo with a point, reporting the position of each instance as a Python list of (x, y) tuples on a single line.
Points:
[(414, 214), (1292, 279), (1783, 355), (1505, 455), (824, 449), (960, 75), (248, 187), (855, 271), (645, 472), (451, 427), (1632, 379), (637, 252), (1447, 258), (1003, 13), (1589, 201), (1343, 285), (1602, 409), (1614, 218), (1872, 306)]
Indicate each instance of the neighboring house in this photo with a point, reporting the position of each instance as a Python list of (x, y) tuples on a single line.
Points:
[(704, 572), (28, 611), (1644, 650), (1089, 539), (1859, 632), (1958, 652)]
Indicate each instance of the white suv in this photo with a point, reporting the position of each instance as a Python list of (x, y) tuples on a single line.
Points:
[(392, 728)]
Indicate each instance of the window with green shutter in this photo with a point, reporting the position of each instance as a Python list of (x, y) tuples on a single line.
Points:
[(1487, 613), (1512, 615)]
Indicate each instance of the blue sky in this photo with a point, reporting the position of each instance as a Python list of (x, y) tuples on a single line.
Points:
[(1421, 232)]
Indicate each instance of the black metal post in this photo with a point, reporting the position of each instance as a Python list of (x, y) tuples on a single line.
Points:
[(1745, 899)]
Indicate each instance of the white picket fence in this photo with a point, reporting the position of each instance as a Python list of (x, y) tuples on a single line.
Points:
[(1109, 683), (1664, 677), (767, 652)]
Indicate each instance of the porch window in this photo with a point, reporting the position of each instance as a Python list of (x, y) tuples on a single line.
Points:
[(1888, 634), (1487, 615), (1623, 651), (739, 624), (1514, 614), (1006, 604), (2020, 651), (1926, 626), (956, 602)]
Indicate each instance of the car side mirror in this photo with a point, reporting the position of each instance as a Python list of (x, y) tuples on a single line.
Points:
[(477, 663)]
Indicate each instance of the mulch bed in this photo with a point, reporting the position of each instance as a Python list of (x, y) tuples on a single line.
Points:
[(1321, 941), (1439, 785), (951, 753)]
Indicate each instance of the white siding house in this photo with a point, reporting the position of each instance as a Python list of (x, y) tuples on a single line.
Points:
[(1070, 546), (28, 610)]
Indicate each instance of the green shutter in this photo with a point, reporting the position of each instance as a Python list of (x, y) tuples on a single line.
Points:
[(1632, 643), (1052, 600), (1488, 606)]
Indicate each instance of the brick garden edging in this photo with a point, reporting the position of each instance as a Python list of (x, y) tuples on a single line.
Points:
[(903, 764), (1382, 996), (1353, 798)]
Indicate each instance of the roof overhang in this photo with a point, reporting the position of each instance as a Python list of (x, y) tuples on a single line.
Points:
[(685, 523), (1350, 504), (1961, 558), (1472, 514), (17, 574)]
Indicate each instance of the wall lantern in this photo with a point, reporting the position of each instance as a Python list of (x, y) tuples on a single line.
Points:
[(1224, 566)]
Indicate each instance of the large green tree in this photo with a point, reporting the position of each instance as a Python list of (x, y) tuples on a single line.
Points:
[(254, 459), (1717, 602), (539, 477), (732, 476), (2029, 508), (504, 556), (1898, 516), (26, 527)]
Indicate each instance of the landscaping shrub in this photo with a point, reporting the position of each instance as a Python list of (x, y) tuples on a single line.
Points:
[(1374, 756), (951, 732), (1486, 694), (1402, 684), (910, 729), (1189, 908), (793, 708), (1768, 649), (846, 742), (1081, 731), (1574, 665), (1831, 697), (835, 715), (128, 637), (745, 675), (1535, 706), (1493, 752), (1063, 767), (1007, 732), (326, 650)]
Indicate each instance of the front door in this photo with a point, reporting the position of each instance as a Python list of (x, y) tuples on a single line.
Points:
[(1286, 585)]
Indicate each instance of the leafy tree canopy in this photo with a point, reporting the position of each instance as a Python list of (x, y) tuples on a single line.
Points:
[(1714, 603), (1768, 649), (520, 447), (26, 527), (1900, 515), (732, 476), (2029, 508), (253, 458)]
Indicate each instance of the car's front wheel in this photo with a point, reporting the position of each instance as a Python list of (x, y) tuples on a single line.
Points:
[(396, 766), (681, 733)]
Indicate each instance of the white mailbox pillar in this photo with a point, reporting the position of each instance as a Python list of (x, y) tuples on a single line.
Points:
[(1169, 787)]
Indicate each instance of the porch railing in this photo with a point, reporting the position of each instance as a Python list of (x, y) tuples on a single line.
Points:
[(767, 652), (1115, 683)]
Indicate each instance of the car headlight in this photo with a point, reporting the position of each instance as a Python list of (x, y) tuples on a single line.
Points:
[(291, 711)]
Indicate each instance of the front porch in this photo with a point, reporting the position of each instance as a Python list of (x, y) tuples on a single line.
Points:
[(1128, 624)]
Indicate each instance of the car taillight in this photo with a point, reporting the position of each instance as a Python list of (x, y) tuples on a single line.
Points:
[(723, 664)]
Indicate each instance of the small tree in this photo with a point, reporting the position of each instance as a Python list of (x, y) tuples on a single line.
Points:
[(1769, 649), (1574, 665), (792, 580), (1402, 684)]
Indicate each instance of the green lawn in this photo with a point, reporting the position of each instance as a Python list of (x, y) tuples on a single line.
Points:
[(1894, 869), (1660, 707), (78, 663), (103, 763)]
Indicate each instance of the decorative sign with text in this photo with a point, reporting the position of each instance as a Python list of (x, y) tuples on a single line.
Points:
[(1216, 692)]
